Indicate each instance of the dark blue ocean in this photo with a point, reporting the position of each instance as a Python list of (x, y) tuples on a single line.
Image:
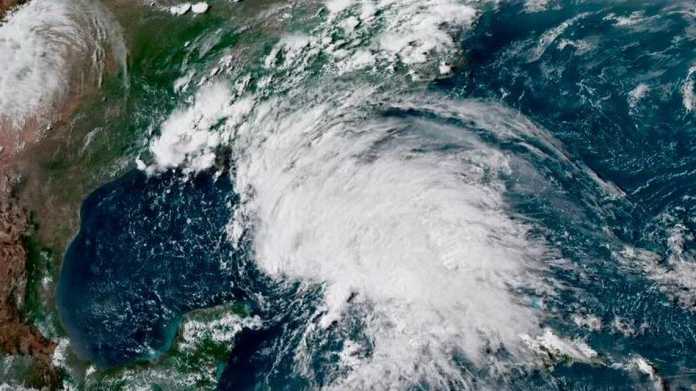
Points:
[(152, 248), (148, 250)]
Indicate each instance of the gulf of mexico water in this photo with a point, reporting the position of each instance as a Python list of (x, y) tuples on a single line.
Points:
[(420, 196), (148, 250)]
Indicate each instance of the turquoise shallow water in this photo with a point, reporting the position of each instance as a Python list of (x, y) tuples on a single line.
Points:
[(613, 196)]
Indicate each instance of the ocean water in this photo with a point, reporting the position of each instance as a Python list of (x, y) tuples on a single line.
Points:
[(148, 250), (416, 195)]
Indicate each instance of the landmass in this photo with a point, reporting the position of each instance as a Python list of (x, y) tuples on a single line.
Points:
[(17, 336), (7, 5), (43, 178)]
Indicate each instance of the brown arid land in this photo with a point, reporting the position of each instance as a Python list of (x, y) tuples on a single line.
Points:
[(7, 5), (16, 336), (42, 184)]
